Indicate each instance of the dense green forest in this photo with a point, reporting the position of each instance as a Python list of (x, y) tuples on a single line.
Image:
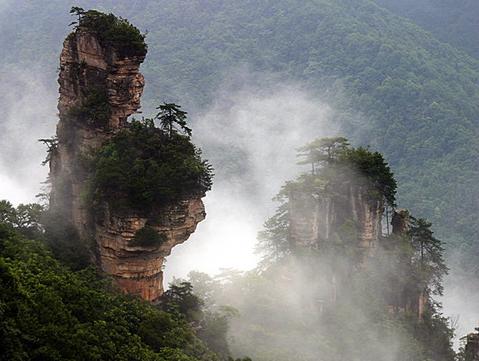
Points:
[(417, 97), (50, 312), (454, 22)]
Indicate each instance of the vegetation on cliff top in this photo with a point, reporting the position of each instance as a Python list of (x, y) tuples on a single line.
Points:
[(334, 162), (112, 31), (143, 167)]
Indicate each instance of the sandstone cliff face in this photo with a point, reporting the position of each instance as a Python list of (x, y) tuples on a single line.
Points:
[(84, 65), (315, 218), (139, 270)]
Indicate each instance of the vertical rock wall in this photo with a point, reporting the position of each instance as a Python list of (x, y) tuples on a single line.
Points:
[(315, 218), (84, 65)]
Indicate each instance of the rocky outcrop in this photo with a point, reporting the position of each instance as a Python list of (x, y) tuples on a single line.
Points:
[(315, 218), (87, 69), (139, 270), (86, 65)]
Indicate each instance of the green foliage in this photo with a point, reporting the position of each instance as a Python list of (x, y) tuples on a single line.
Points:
[(112, 31), (334, 301), (335, 162), (48, 312), (450, 21), (171, 114), (26, 218), (94, 108), (148, 237), (273, 242), (374, 169), (211, 322), (322, 151), (431, 264), (142, 167), (179, 299)]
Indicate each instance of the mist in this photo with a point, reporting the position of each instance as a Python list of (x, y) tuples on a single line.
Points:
[(255, 117), (250, 135), (28, 114)]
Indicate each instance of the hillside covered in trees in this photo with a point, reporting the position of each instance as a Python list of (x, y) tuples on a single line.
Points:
[(50, 312), (417, 97), (454, 22)]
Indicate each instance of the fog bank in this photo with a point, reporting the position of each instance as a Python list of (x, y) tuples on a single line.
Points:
[(250, 135)]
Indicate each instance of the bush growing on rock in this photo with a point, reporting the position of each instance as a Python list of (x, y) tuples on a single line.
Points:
[(112, 31), (143, 167)]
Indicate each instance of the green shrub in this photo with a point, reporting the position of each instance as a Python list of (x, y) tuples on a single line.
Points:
[(374, 169), (113, 31), (142, 167), (148, 237), (94, 109)]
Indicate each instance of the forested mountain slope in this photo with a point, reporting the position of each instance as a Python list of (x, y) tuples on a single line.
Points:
[(455, 22), (418, 98)]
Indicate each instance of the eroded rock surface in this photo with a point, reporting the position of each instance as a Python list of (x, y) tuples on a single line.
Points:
[(315, 218)]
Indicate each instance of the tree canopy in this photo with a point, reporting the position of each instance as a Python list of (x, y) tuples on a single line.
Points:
[(112, 31), (143, 166)]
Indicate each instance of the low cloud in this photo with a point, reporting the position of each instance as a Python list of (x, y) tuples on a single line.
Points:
[(250, 135), (28, 114)]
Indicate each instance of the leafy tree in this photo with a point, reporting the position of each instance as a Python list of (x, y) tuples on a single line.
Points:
[(77, 11), (142, 167), (48, 312), (322, 151), (431, 264), (26, 218), (335, 161), (273, 242), (180, 299), (170, 115), (374, 169), (7, 212)]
